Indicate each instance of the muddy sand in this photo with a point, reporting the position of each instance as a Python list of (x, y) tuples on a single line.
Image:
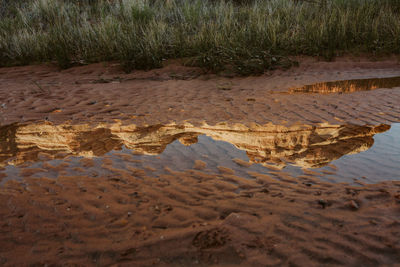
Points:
[(177, 167)]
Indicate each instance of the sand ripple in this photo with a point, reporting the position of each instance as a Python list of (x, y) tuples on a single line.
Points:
[(130, 216)]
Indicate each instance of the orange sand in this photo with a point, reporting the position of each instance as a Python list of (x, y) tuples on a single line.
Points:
[(193, 218)]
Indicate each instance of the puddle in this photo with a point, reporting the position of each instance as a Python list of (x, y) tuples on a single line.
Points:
[(331, 152), (349, 86)]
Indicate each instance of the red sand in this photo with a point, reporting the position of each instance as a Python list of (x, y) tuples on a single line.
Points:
[(194, 218)]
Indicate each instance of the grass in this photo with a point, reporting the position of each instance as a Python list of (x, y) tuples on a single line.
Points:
[(244, 37)]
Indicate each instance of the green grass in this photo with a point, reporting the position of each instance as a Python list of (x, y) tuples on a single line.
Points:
[(245, 37)]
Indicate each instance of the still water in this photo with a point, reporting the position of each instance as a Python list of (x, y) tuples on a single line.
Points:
[(349, 86), (334, 153)]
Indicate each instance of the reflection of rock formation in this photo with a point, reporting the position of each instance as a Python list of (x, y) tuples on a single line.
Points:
[(26, 142), (318, 147), (305, 146), (349, 86)]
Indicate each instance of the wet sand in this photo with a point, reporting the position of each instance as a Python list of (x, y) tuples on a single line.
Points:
[(99, 93), (193, 217)]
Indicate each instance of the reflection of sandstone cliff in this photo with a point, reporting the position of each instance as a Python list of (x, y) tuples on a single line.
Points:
[(349, 86), (22, 143), (306, 146), (318, 147)]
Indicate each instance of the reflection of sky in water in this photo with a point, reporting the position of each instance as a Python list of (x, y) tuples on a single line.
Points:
[(380, 162)]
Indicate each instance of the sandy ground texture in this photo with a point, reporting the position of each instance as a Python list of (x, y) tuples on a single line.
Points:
[(101, 92), (193, 217)]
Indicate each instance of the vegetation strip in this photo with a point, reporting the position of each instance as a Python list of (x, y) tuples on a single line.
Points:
[(242, 37)]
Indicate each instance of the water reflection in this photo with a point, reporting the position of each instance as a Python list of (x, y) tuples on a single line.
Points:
[(349, 86), (301, 145)]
